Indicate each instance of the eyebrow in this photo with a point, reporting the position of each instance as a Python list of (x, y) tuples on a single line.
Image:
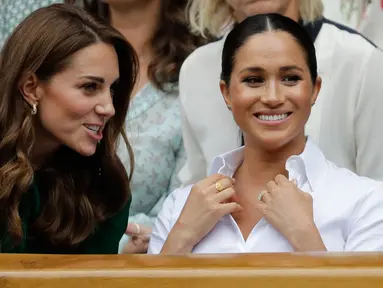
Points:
[(260, 69), (94, 78), (291, 67)]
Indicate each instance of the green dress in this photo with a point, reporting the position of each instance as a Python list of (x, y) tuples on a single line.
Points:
[(104, 240)]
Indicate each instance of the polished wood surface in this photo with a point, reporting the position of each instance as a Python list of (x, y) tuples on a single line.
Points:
[(256, 270)]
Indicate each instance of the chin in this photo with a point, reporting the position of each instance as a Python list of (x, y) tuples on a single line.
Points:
[(86, 151), (271, 142)]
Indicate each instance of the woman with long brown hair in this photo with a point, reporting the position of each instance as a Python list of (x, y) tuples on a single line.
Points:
[(158, 31), (65, 81)]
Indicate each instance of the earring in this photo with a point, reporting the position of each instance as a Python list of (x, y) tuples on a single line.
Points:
[(229, 107), (34, 109)]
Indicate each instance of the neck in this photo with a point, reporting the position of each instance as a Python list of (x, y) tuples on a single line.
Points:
[(137, 21), (260, 165), (292, 11), (43, 148)]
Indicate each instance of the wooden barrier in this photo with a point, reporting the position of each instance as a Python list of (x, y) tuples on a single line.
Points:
[(200, 271)]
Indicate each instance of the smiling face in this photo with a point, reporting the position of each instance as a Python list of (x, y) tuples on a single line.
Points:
[(75, 104), (271, 91)]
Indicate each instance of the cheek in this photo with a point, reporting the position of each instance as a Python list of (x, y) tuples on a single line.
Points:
[(64, 111), (242, 97), (242, 100)]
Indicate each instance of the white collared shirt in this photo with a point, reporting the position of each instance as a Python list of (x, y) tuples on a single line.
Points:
[(348, 209)]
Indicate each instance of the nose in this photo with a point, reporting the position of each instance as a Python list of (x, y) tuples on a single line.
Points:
[(273, 96), (105, 107)]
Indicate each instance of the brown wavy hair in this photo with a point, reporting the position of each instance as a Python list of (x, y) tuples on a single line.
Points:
[(172, 41), (75, 197)]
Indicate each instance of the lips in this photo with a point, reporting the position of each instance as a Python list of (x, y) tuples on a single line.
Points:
[(93, 128)]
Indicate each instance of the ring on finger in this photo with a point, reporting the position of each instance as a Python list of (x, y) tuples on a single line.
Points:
[(218, 186), (260, 197), (138, 228)]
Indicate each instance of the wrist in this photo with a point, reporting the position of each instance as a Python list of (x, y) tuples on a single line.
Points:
[(180, 240), (306, 239)]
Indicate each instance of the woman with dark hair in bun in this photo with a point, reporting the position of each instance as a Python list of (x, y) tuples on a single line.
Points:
[(277, 193)]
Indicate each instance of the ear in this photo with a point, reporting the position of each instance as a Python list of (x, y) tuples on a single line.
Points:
[(225, 92), (29, 89), (316, 90)]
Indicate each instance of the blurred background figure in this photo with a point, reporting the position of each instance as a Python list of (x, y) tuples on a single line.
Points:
[(372, 25), (159, 33), (12, 12)]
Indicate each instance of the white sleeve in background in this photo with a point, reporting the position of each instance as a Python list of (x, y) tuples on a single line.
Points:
[(366, 229), (162, 226), (167, 217), (368, 120), (194, 168)]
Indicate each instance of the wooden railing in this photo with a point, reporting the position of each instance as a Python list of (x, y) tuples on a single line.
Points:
[(200, 271)]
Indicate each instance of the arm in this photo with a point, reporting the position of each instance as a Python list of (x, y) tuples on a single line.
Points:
[(368, 120), (195, 167), (366, 227), (107, 235), (162, 226)]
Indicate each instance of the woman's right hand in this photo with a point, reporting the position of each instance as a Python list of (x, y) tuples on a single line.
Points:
[(207, 203)]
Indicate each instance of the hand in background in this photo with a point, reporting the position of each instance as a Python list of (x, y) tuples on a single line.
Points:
[(139, 238)]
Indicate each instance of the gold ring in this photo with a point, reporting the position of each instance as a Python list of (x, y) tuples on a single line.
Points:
[(218, 186), (261, 195)]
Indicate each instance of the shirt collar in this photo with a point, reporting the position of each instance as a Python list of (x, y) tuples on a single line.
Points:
[(309, 165)]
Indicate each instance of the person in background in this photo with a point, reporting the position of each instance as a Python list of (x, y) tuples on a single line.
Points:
[(12, 12), (345, 121), (160, 35), (65, 81), (277, 193)]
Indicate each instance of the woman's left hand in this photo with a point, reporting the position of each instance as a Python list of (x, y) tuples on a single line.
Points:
[(290, 211), (139, 238)]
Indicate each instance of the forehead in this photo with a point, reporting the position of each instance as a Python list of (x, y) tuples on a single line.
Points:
[(99, 59), (268, 49)]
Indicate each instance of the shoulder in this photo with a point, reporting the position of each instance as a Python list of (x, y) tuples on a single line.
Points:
[(346, 40), (204, 57), (349, 184), (174, 203)]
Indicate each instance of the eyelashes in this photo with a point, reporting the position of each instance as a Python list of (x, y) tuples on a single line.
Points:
[(256, 81), (92, 88)]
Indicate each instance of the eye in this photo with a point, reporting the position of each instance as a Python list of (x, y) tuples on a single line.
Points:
[(291, 80), (90, 87), (254, 81)]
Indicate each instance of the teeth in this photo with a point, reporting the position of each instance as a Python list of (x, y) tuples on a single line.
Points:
[(272, 117), (93, 128)]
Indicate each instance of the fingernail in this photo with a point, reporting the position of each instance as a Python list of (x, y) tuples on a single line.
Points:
[(132, 228)]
